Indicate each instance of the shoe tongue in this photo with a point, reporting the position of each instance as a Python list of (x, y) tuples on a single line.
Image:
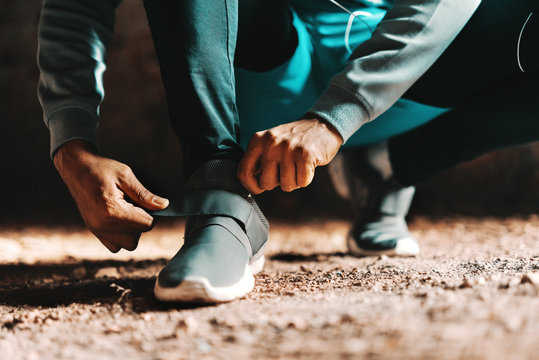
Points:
[(217, 174)]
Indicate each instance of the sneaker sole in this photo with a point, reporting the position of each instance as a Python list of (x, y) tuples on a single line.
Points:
[(405, 247), (196, 289)]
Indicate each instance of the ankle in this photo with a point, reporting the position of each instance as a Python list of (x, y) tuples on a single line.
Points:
[(219, 174)]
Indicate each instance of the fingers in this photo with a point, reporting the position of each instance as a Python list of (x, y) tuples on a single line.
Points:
[(127, 241), (249, 167), (269, 162), (138, 193), (109, 245), (116, 241), (305, 173), (131, 217), (287, 172), (268, 179), (100, 187)]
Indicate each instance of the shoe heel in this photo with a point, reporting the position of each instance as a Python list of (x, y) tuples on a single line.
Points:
[(257, 265)]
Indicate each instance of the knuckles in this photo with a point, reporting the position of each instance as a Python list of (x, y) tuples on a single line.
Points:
[(131, 245), (124, 172), (268, 184), (304, 154), (288, 188), (143, 193), (110, 207)]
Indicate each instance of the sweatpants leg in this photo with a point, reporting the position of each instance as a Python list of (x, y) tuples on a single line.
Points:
[(505, 115), (481, 77), (195, 43)]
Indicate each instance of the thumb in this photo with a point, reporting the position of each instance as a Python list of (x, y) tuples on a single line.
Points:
[(140, 195)]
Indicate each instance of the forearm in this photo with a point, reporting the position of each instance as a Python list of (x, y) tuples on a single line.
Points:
[(413, 34), (73, 36)]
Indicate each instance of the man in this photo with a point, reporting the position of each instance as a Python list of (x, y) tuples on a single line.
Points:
[(305, 76)]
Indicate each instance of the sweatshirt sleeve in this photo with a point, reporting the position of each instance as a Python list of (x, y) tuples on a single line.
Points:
[(410, 38), (72, 43)]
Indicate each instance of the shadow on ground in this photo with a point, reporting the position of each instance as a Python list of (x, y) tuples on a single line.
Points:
[(106, 282), (84, 282)]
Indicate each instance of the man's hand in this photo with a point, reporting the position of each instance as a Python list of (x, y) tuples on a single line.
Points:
[(287, 155), (100, 188)]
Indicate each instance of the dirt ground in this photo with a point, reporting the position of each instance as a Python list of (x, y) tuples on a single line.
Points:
[(471, 294)]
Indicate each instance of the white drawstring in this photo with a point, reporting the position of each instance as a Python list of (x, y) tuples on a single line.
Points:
[(518, 43), (349, 27), (353, 15)]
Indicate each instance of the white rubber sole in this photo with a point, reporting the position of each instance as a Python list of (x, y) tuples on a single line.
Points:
[(196, 289), (405, 247)]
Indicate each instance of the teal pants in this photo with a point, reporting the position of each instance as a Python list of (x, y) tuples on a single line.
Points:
[(207, 49)]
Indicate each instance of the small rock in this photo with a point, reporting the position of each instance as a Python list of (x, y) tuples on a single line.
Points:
[(513, 323), (113, 329), (203, 346), (465, 284), (346, 319), (10, 324), (530, 278), (108, 272), (298, 324), (230, 339), (79, 272), (147, 317), (189, 325)]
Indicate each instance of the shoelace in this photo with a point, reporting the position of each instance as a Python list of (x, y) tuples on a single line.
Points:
[(353, 16)]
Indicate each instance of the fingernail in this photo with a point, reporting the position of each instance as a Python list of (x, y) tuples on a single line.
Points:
[(160, 201)]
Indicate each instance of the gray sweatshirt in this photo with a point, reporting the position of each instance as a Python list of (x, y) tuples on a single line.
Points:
[(74, 34)]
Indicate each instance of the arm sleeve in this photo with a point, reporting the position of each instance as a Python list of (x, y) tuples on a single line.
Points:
[(72, 39), (410, 38)]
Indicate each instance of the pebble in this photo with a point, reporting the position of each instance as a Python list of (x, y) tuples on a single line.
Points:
[(113, 329), (530, 278), (189, 325), (465, 284), (79, 272), (108, 272), (298, 324), (203, 346)]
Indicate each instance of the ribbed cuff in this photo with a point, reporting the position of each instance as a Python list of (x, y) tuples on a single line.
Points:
[(342, 110), (71, 124)]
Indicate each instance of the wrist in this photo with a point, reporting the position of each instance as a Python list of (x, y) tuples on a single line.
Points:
[(74, 151), (329, 127)]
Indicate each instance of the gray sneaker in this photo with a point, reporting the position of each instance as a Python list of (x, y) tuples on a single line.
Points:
[(225, 238), (380, 205)]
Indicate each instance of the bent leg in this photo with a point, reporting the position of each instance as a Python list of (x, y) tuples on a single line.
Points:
[(499, 42), (506, 115), (226, 232), (196, 47), (489, 77), (195, 42), (480, 76)]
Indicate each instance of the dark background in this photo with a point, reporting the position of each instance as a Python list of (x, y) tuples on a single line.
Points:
[(135, 130)]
